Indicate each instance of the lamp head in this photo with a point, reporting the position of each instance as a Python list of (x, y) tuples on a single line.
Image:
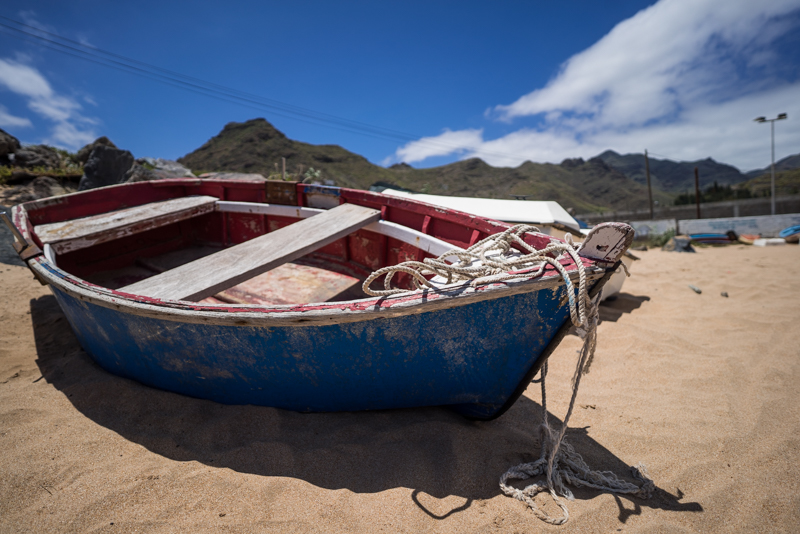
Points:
[(782, 116), (760, 119)]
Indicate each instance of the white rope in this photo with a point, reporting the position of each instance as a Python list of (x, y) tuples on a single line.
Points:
[(558, 461), (490, 260), (494, 259)]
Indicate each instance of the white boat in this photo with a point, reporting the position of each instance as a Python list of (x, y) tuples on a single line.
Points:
[(548, 215)]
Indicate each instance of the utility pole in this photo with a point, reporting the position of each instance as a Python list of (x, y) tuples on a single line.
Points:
[(649, 189), (283, 169), (780, 116), (697, 190), (772, 165)]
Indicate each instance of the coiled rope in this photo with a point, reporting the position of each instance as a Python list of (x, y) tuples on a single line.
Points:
[(490, 260), (494, 259)]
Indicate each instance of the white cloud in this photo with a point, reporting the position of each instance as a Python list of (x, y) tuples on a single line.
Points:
[(682, 77), (24, 80), (71, 129), (448, 142), (8, 120), (68, 134)]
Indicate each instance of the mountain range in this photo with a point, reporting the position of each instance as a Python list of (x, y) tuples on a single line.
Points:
[(786, 164), (607, 181), (672, 176)]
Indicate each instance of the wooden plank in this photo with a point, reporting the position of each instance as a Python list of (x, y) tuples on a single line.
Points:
[(209, 275), (402, 233), (76, 234)]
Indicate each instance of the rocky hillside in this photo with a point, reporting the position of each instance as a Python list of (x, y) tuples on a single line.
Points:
[(583, 185), (257, 146), (673, 176), (788, 163), (787, 182)]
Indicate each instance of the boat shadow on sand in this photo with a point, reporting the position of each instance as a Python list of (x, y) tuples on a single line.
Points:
[(433, 450), (615, 307)]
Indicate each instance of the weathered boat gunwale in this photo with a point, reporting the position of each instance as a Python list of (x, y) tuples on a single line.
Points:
[(413, 302)]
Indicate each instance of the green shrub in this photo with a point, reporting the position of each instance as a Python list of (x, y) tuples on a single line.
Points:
[(659, 240)]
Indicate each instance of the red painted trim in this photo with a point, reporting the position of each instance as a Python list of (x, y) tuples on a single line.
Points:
[(126, 195), (426, 223), (475, 237)]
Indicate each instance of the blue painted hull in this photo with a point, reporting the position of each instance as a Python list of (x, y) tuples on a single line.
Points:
[(473, 356), (790, 231)]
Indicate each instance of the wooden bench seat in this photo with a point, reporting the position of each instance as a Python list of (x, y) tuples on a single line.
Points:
[(219, 271), (76, 234)]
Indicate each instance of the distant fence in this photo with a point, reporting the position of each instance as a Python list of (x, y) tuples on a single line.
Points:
[(751, 207), (765, 225)]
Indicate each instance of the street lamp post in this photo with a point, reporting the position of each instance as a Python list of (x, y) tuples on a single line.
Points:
[(771, 122)]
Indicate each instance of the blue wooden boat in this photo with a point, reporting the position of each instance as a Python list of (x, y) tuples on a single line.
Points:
[(249, 292), (711, 238), (791, 234)]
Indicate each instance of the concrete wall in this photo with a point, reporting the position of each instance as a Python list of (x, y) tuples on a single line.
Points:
[(750, 207), (645, 229), (766, 225)]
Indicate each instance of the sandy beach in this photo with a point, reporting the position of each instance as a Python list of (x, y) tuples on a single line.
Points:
[(702, 389)]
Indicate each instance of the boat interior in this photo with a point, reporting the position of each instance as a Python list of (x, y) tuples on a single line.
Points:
[(242, 242)]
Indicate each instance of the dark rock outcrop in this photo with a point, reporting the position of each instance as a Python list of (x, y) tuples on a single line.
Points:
[(156, 169), (166, 167), (571, 163), (8, 145), (679, 243), (140, 173), (37, 156), (84, 153), (105, 166)]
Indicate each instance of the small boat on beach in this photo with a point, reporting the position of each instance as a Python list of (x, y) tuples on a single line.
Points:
[(791, 234), (712, 238), (250, 292)]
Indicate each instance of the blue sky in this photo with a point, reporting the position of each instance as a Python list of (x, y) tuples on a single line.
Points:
[(423, 82)]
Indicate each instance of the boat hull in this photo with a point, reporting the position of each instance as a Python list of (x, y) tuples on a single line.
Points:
[(454, 356), (473, 348)]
